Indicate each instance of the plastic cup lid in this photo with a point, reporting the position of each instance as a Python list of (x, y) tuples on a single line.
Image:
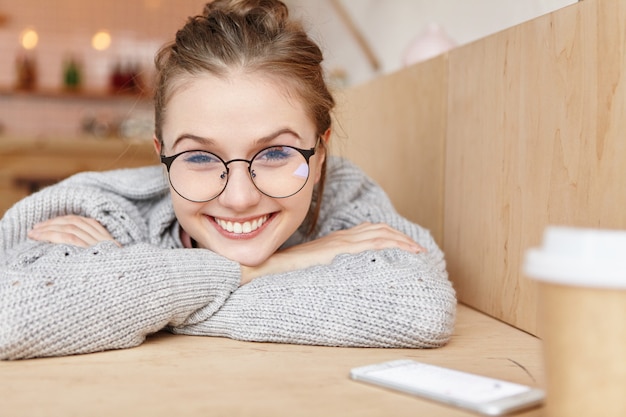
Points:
[(581, 257)]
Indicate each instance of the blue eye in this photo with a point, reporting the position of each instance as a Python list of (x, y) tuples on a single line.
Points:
[(275, 153), (200, 158)]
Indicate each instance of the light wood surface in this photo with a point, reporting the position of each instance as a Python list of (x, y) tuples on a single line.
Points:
[(495, 140), (394, 128), (535, 136), (200, 376)]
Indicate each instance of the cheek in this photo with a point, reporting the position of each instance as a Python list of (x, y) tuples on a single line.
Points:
[(183, 209), (301, 202)]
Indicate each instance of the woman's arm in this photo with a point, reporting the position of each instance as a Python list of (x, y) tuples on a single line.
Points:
[(395, 296), (321, 251), (61, 299), (387, 298)]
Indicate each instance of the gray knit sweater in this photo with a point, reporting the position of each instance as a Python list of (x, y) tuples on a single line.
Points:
[(59, 299)]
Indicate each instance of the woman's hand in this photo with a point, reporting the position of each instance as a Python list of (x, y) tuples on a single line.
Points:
[(366, 236), (72, 230)]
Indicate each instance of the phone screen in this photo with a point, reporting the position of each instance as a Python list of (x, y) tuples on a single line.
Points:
[(475, 392)]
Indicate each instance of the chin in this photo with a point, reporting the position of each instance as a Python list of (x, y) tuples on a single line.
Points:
[(247, 259), (249, 263)]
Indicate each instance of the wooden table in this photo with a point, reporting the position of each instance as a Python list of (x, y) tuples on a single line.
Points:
[(200, 376)]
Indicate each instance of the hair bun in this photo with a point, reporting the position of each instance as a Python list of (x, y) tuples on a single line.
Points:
[(275, 9)]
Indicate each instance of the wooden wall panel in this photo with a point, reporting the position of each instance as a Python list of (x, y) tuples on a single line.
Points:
[(535, 136), (394, 128)]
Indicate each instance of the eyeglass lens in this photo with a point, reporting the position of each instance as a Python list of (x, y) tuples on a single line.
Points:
[(278, 171)]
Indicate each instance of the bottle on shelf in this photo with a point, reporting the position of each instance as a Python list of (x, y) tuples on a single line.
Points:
[(26, 72), (72, 75), (125, 79)]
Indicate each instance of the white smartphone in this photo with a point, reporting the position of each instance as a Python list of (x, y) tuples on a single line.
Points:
[(480, 394)]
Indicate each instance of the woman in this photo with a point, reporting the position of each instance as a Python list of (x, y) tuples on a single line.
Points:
[(249, 230)]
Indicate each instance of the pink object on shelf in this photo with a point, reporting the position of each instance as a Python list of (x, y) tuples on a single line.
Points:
[(431, 42)]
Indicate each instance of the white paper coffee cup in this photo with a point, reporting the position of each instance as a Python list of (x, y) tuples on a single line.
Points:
[(582, 314), (583, 257)]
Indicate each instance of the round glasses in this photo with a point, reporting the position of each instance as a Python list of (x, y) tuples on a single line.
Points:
[(277, 171)]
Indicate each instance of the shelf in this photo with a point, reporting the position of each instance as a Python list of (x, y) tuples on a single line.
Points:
[(59, 94)]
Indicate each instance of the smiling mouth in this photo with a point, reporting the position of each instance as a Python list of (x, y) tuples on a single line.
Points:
[(243, 227)]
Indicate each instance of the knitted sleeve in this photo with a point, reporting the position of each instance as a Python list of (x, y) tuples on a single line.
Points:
[(60, 299), (387, 298)]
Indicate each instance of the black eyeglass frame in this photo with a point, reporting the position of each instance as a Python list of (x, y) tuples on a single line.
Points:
[(306, 153)]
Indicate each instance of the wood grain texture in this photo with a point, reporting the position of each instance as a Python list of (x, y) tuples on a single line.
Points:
[(535, 137), (203, 376), (528, 130), (394, 128)]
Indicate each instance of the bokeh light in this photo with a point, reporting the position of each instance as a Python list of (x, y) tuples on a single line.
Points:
[(29, 39), (101, 40)]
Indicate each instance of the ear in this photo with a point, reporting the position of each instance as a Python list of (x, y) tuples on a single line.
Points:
[(157, 145), (326, 137), (326, 148), (323, 150)]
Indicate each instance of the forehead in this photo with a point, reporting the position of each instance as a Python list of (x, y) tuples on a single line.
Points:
[(234, 107)]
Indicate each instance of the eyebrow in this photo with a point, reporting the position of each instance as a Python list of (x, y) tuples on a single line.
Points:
[(259, 141)]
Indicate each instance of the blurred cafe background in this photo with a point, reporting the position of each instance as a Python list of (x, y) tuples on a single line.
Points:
[(76, 75)]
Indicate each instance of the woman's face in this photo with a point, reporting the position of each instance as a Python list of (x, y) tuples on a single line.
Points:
[(234, 118)]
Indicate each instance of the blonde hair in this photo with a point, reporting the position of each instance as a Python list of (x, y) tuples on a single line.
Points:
[(255, 36)]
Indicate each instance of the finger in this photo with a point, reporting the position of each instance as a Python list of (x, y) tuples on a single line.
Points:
[(93, 228), (379, 243), (55, 236), (58, 232), (64, 236), (381, 236), (75, 230), (78, 225), (80, 221)]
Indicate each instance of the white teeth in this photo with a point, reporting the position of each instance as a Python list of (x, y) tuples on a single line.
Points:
[(240, 228)]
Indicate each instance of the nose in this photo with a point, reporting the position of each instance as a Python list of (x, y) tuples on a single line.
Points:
[(240, 192)]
